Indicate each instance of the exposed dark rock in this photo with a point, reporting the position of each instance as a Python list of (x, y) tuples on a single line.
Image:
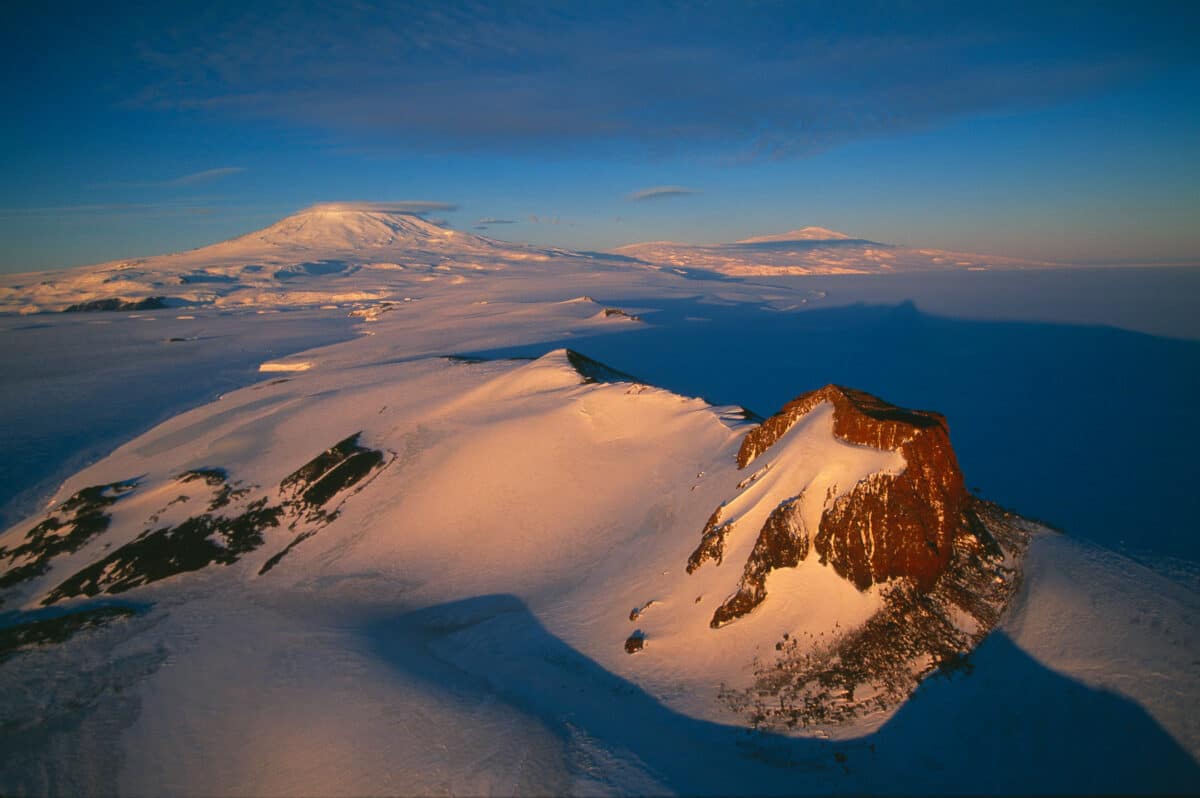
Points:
[(215, 478), (157, 554), (48, 631), (917, 633), (636, 612), (782, 543), (594, 371), (635, 643), (886, 527), (712, 542), (205, 277), (116, 304), (67, 529), (308, 489), (231, 526), (343, 475), (620, 314)]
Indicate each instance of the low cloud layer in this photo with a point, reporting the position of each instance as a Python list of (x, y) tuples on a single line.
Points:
[(415, 207)]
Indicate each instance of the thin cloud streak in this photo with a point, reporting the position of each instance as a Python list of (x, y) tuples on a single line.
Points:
[(660, 192), (205, 176), (414, 207), (191, 179)]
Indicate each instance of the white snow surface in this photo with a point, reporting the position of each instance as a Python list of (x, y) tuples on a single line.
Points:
[(353, 252), (326, 254), (815, 251), (459, 627)]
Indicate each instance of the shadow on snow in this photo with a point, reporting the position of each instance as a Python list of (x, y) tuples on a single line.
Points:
[(1088, 428), (1011, 726)]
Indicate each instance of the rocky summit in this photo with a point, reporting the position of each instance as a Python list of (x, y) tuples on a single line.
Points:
[(887, 526)]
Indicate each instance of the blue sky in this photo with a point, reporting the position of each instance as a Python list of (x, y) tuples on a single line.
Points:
[(1059, 131)]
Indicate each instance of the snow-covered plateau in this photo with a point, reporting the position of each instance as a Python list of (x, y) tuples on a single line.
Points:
[(358, 505)]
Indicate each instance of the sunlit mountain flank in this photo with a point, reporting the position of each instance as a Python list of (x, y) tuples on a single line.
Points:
[(566, 399)]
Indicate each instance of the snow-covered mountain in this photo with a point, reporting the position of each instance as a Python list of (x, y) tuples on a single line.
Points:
[(802, 234), (814, 250), (454, 553), (351, 227), (326, 254), (518, 473), (358, 252)]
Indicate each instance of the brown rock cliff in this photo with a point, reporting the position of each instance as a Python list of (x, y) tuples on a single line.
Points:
[(884, 528)]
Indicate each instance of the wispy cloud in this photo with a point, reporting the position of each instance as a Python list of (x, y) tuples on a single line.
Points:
[(761, 80), (205, 176), (490, 220), (190, 179), (660, 192)]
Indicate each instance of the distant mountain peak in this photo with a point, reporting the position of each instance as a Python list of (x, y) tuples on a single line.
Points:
[(351, 225), (800, 234)]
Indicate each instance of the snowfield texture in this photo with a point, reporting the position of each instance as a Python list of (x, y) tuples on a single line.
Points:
[(339, 253), (423, 561), (811, 251)]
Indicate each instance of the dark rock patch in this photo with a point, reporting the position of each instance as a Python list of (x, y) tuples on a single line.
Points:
[(886, 527), (308, 489), (917, 633), (712, 543), (594, 371), (636, 612), (161, 553), (204, 277), (620, 314), (66, 530), (117, 304), (49, 631), (783, 542)]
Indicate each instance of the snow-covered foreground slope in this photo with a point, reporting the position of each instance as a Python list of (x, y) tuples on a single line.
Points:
[(392, 566), (416, 577)]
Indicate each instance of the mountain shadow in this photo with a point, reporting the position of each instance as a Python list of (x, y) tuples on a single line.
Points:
[(1088, 428), (1011, 726)]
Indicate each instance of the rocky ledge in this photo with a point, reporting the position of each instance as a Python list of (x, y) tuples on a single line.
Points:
[(886, 527)]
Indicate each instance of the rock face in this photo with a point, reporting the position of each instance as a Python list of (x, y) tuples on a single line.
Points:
[(886, 527), (224, 522), (915, 634)]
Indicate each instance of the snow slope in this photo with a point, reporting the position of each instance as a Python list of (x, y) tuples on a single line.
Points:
[(339, 253), (326, 254), (455, 620), (450, 554)]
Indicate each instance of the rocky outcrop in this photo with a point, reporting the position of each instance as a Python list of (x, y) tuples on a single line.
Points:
[(782, 543), (229, 522), (67, 529), (915, 634), (117, 304), (886, 527)]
